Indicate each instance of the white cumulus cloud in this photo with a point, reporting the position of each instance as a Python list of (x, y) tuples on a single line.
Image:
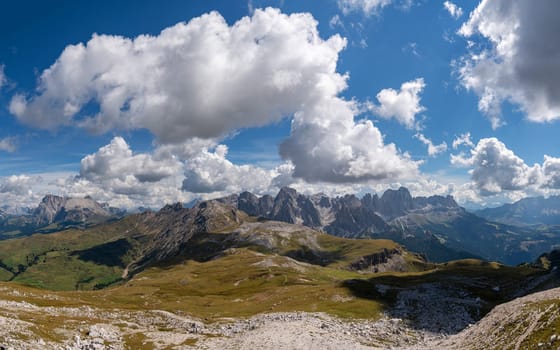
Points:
[(19, 184), (116, 175), (463, 140), (174, 84), (551, 172), (517, 61), (402, 105), (338, 149), (116, 164), (454, 10), (496, 169)]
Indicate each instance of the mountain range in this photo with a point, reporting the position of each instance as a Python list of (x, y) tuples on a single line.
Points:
[(434, 226), (526, 212)]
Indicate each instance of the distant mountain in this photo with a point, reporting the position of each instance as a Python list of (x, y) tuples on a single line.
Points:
[(69, 210), (435, 226), (527, 211), (54, 213), (343, 216)]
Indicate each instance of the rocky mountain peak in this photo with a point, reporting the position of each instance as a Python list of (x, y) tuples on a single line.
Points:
[(371, 201), (285, 193), (172, 207), (52, 201), (416, 221), (65, 209), (213, 216), (173, 226), (401, 194), (435, 201), (48, 208), (346, 215), (395, 203), (285, 207), (253, 205)]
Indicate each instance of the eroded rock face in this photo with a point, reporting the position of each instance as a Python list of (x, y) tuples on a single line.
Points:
[(285, 207), (396, 203), (48, 208), (529, 322), (255, 206), (386, 260)]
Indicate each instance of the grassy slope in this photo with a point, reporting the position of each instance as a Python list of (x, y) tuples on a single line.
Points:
[(69, 259), (243, 283)]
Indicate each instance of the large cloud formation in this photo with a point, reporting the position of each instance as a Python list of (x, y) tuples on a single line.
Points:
[(199, 81), (520, 61), (496, 169), (123, 178)]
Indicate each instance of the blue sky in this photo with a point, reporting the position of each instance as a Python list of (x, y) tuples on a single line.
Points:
[(144, 103)]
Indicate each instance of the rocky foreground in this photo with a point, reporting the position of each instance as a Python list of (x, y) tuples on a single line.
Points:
[(528, 322)]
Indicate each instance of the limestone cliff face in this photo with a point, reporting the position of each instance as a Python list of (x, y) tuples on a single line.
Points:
[(395, 203), (62, 209), (254, 205), (48, 208), (385, 260)]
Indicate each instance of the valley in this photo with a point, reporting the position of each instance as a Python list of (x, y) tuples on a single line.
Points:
[(212, 276)]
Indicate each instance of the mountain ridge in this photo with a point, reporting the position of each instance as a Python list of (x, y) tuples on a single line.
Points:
[(435, 226), (526, 211)]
